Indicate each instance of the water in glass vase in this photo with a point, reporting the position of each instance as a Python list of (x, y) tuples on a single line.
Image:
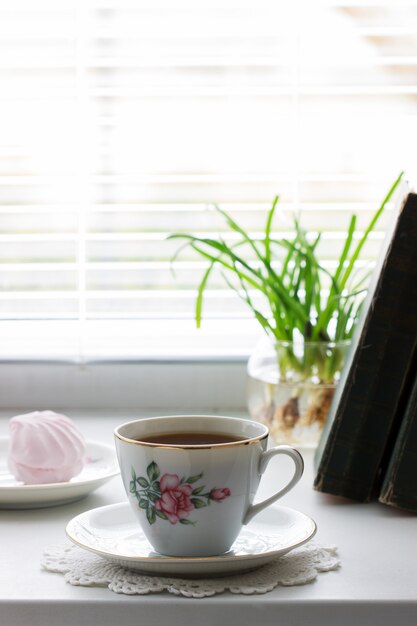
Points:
[(291, 387)]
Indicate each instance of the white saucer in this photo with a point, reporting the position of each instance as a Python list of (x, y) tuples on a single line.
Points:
[(101, 465), (113, 533)]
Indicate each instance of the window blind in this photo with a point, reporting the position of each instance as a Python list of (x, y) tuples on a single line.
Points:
[(124, 121)]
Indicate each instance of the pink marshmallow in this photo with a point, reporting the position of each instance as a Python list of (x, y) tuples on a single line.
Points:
[(45, 447)]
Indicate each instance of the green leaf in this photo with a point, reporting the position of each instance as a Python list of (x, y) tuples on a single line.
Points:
[(370, 227), (200, 293), (161, 514), (198, 503), (250, 277), (177, 253), (153, 471), (143, 503), (262, 320), (156, 486), (238, 229), (246, 298), (193, 479), (268, 227), (345, 250), (197, 490), (153, 497), (142, 482), (132, 486), (133, 473), (187, 521), (150, 514)]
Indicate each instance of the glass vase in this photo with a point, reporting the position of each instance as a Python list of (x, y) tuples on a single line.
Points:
[(291, 387)]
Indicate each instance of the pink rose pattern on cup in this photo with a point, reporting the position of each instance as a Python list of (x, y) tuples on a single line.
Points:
[(170, 497), (219, 494)]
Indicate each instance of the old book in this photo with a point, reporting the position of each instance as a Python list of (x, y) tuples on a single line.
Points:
[(399, 487), (365, 413)]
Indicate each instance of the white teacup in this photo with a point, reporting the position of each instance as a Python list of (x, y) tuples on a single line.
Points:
[(192, 499)]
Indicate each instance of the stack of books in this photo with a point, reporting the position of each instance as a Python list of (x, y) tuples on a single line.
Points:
[(368, 449)]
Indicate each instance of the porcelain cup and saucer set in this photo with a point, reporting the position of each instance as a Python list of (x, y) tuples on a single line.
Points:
[(191, 483)]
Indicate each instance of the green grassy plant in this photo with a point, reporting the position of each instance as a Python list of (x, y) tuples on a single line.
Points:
[(290, 276)]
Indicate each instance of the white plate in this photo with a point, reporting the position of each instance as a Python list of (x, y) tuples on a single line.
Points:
[(113, 533), (101, 465)]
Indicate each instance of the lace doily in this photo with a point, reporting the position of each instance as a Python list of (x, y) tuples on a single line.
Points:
[(298, 567)]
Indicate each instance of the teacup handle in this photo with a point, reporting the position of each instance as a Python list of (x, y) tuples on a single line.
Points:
[(254, 509)]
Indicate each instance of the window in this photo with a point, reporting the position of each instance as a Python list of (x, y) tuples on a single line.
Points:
[(123, 121)]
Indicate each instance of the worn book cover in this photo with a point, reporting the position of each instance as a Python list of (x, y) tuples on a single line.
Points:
[(365, 413), (399, 487)]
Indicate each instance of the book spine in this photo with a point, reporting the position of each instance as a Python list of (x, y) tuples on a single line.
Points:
[(399, 487), (364, 417)]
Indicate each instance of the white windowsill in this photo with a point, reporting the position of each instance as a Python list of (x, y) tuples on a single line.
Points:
[(375, 585)]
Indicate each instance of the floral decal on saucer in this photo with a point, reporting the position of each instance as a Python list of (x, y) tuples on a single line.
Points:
[(170, 497)]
